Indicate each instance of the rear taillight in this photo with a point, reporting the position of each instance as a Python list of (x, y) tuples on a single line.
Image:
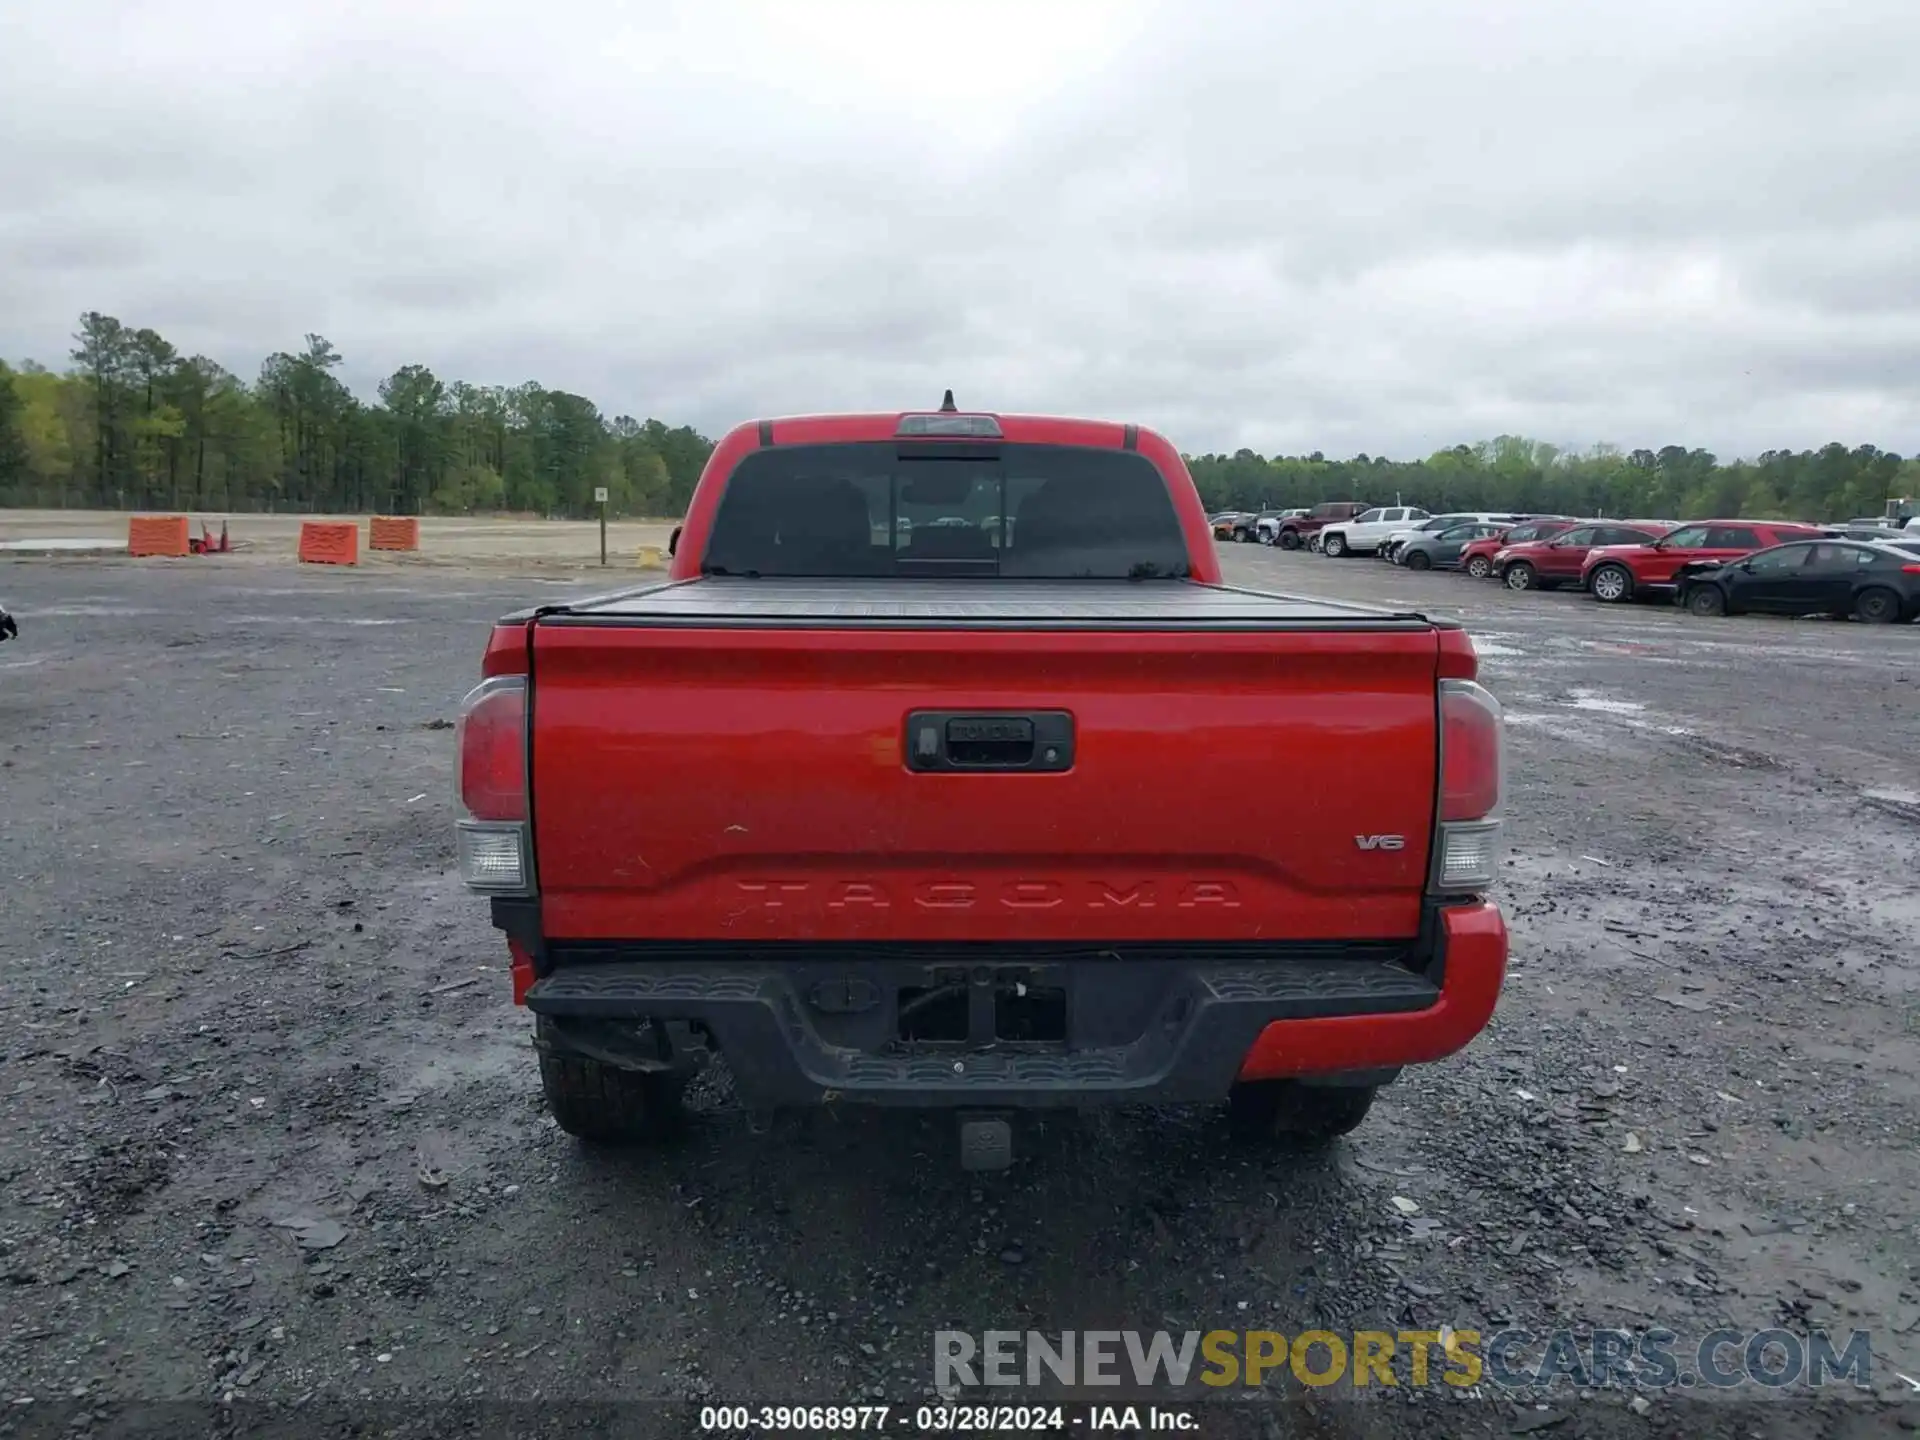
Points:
[(491, 736), (1470, 751), (1472, 777), (490, 740), (1910, 569)]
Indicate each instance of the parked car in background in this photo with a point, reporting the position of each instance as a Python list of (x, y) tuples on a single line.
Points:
[(1561, 560), (1856, 530), (1623, 572), (1292, 533), (1367, 531), (1267, 527), (1876, 580), (1433, 525), (1477, 558), (1262, 520), (1441, 549), (1227, 521)]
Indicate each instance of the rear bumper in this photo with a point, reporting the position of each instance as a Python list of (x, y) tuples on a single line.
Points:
[(800, 1025), (1472, 964)]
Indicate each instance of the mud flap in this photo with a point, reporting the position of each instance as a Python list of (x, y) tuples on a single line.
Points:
[(986, 1142)]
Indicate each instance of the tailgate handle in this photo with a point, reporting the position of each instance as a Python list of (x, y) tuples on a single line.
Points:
[(1029, 740)]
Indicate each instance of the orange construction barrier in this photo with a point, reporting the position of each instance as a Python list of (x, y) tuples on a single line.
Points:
[(157, 535), (393, 532), (324, 543)]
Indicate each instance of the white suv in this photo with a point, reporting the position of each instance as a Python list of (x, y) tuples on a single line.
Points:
[(1367, 531)]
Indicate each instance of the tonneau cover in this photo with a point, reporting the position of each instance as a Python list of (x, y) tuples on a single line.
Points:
[(727, 601)]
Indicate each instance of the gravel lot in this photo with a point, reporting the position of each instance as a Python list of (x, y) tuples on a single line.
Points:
[(276, 1133)]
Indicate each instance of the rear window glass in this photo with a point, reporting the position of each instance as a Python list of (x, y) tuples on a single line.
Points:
[(1037, 512)]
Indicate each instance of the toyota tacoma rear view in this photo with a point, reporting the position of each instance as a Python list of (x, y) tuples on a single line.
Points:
[(921, 780)]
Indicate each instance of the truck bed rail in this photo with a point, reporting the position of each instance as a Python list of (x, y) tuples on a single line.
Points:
[(741, 602)]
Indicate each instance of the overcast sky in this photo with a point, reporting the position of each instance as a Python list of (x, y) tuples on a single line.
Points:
[(1373, 225)]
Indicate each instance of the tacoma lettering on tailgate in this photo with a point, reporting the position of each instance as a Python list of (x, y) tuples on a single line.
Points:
[(1007, 894)]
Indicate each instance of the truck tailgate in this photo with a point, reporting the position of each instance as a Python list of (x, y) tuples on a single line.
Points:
[(728, 760)]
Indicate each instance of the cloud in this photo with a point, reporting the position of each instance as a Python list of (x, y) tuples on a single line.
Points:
[(1384, 226)]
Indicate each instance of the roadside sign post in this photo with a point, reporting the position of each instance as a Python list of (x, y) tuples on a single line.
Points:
[(600, 499)]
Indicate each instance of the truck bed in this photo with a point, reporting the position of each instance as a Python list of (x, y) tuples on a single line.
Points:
[(1153, 605)]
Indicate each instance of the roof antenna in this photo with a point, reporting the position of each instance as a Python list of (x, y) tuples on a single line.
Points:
[(947, 407)]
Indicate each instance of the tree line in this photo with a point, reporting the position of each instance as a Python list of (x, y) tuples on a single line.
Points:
[(133, 424)]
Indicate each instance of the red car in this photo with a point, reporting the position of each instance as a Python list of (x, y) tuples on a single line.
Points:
[(1626, 571), (952, 815), (1477, 558), (1561, 560)]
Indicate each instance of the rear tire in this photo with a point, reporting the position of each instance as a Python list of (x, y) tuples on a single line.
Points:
[(1240, 536), (1479, 567), (605, 1105), (1289, 539), (1334, 546), (1706, 600), (1266, 1111), (1520, 576), (1612, 584), (1877, 606), (1419, 560)]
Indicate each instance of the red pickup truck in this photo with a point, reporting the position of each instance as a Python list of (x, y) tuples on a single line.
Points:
[(921, 780), (1293, 531)]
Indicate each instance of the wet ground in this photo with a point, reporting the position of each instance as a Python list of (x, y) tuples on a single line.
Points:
[(275, 1132)]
